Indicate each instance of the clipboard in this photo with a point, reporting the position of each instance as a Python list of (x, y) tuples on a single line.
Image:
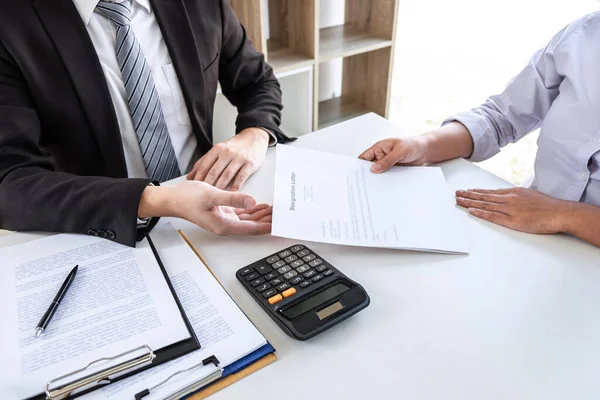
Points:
[(136, 360), (222, 376)]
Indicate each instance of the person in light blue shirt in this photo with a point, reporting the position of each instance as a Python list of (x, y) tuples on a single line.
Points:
[(559, 92)]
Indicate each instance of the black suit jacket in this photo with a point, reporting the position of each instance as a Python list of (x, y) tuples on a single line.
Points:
[(62, 167)]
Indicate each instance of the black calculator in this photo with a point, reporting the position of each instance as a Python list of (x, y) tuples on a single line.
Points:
[(302, 292)]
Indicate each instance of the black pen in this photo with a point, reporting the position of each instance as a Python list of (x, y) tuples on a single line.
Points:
[(41, 326)]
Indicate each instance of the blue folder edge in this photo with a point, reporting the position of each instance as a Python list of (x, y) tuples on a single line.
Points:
[(241, 364)]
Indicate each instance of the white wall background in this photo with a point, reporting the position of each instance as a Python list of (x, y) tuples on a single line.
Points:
[(451, 55)]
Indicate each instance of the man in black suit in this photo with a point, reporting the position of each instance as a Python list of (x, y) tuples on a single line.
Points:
[(102, 100)]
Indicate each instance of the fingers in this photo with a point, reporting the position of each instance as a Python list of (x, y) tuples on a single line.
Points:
[(241, 177), (387, 162), (203, 165), (492, 191), (268, 218), (233, 199), (481, 205), (369, 154), (487, 196), (258, 207), (491, 216), (228, 174), (216, 170), (257, 214), (248, 228)]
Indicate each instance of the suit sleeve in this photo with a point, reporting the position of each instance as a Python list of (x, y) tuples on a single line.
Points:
[(247, 80), (36, 197)]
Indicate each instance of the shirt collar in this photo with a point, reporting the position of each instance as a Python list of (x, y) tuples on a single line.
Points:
[(86, 8)]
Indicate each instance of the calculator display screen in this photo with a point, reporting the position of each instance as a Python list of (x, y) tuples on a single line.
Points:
[(315, 300)]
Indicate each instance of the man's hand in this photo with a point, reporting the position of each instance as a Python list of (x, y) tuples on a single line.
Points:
[(218, 211), (520, 209), (389, 152), (231, 163)]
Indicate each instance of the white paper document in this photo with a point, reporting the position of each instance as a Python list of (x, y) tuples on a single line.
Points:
[(118, 301), (329, 198), (221, 327)]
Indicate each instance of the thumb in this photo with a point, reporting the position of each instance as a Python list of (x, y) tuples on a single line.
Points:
[(233, 199), (388, 161)]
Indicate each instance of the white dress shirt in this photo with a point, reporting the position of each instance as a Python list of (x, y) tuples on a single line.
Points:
[(148, 34), (103, 33)]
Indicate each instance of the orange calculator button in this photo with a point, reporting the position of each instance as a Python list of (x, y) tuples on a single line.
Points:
[(275, 299), (289, 292)]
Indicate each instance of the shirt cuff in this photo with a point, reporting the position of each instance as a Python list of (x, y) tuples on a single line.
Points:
[(485, 144), (272, 139), (143, 223)]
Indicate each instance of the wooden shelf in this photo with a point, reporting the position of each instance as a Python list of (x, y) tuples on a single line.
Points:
[(339, 109), (358, 33), (284, 59), (345, 40)]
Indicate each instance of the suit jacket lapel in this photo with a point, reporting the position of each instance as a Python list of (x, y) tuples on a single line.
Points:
[(178, 34), (64, 25)]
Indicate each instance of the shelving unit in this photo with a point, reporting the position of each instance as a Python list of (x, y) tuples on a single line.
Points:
[(302, 42)]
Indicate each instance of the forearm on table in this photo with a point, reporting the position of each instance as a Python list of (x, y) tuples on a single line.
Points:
[(448, 142), (583, 221)]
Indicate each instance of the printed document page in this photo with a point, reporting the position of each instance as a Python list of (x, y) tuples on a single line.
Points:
[(329, 198), (221, 327), (118, 301)]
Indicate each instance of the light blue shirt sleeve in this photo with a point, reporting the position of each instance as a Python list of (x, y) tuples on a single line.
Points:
[(519, 109)]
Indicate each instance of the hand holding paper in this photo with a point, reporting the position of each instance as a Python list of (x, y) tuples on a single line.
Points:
[(336, 199)]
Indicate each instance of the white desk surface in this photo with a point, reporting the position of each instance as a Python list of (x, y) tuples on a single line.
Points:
[(516, 319)]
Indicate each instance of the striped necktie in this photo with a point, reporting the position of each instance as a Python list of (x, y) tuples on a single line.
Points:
[(144, 104)]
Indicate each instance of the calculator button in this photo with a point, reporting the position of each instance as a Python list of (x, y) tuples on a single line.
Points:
[(263, 287), (290, 275), (305, 284), (296, 249), (279, 264), (309, 257), (322, 268), (303, 253), (269, 293), (291, 258), (296, 280), (302, 269), (276, 281), (317, 278), (258, 281), (296, 264), (289, 292), (285, 254), (252, 276), (328, 272), (283, 286), (316, 262), (271, 275), (246, 271), (271, 260), (285, 269), (310, 274), (263, 269), (275, 299)]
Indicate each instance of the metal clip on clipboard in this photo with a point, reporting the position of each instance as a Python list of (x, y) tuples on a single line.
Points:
[(191, 388), (55, 391)]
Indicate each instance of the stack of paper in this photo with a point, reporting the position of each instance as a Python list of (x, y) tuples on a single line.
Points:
[(221, 327), (118, 287)]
